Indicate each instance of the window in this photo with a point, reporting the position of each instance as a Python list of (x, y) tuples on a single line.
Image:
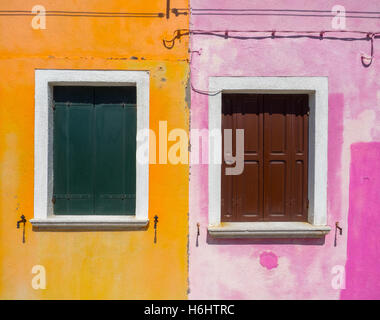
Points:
[(273, 185), (87, 126), (282, 192), (94, 150)]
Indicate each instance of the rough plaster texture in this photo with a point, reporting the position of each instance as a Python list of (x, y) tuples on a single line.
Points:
[(233, 269), (95, 264)]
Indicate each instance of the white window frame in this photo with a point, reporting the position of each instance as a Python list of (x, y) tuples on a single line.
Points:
[(45, 80), (317, 89)]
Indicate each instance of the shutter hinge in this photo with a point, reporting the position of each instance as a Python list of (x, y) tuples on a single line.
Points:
[(53, 199), (307, 203), (23, 221), (155, 228), (337, 227), (198, 234)]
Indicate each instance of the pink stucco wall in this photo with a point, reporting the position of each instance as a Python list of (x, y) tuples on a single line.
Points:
[(284, 269)]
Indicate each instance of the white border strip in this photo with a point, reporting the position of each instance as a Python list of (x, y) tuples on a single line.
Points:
[(317, 88), (43, 148)]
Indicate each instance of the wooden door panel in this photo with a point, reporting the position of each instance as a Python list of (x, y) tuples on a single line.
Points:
[(273, 185), (300, 157), (299, 131), (227, 205), (275, 190), (298, 203), (94, 150), (249, 192), (276, 126), (277, 157), (247, 112), (227, 199), (73, 127)]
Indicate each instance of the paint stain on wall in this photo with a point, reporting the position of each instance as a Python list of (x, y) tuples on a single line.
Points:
[(363, 251), (268, 260)]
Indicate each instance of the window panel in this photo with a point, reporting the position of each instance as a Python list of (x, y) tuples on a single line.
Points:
[(95, 150), (273, 185)]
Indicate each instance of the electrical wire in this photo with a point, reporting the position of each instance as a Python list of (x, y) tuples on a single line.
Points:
[(278, 12), (365, 59), (61, 13), (179, 33), (279, 15), (203, 92)]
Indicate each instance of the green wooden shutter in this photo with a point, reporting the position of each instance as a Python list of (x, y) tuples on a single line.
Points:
[(115, 179), (94, 150), (73, 144)]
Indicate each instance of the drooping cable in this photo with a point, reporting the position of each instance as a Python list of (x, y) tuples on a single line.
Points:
[(365, 59)]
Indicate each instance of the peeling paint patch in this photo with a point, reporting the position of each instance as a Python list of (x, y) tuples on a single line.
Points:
[(269, 260)]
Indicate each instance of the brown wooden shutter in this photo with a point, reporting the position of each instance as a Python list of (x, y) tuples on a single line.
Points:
[(277, 158), (227, 196), (248, 190), (273, 185), (300, 157)]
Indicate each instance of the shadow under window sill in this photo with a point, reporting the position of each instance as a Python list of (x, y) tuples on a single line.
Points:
[(89, 223), (238, 230)]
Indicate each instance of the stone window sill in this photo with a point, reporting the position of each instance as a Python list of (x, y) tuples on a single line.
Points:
[(268, 230), (89, 223)]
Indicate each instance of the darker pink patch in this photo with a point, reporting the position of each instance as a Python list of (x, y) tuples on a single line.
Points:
[(363, 250), (269, 260)]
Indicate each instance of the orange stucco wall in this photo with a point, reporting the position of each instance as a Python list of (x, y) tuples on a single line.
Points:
[(91, 265)]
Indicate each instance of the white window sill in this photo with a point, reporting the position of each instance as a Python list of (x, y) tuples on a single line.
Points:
[(89, 223), (268, 230)]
